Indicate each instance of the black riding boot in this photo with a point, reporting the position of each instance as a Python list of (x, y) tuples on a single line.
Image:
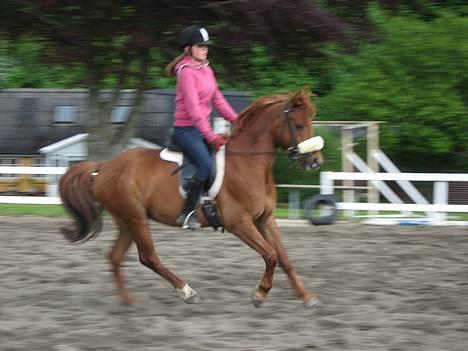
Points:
[(188, 219)]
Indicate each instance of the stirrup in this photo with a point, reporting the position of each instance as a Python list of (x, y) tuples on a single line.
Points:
[(190, 221)]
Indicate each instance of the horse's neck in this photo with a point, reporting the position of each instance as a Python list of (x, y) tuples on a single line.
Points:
[(255, 142), (255, 133)]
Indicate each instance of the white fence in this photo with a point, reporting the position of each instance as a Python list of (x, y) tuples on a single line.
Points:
[(438, 208), (42, 200), (47, 200)]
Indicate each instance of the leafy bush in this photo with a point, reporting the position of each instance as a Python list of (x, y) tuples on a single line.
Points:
[(414, 79)]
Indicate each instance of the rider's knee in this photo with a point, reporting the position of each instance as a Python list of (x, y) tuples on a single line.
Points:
[(204, 172)]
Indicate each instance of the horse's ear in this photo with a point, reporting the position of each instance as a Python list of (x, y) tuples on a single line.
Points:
[(297, 98), (302, 96), (306, 92)]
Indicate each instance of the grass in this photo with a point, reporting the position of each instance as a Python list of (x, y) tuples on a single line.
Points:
[(58, 211), (31, 210)]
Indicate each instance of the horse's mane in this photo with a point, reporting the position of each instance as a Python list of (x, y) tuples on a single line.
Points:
[(299, 98)]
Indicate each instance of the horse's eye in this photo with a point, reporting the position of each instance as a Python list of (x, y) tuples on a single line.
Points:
[(299, 126)]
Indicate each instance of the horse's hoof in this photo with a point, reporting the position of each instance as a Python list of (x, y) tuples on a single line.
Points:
[(193, 300), (257, 302), (188, 295), (313, 301)]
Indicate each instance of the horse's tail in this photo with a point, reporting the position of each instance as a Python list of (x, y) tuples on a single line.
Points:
[(76, 194)]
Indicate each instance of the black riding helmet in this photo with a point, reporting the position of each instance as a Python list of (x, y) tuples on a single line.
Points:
[(194, 35)]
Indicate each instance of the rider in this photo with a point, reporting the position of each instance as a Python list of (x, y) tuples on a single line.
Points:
[(196, 91)]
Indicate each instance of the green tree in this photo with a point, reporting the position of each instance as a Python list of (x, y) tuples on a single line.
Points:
[(21, 66), (415, 79)]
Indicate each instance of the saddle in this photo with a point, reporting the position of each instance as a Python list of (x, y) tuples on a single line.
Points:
[(186, 170)]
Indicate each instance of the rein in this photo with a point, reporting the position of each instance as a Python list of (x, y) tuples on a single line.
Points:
[(250, 153)]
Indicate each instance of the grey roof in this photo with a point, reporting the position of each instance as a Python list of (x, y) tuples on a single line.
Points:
[(27, 116)]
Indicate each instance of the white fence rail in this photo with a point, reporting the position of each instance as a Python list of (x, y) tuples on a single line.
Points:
[(439, 207), (327, 186), (36, 200), (30, 200), (52, 200), (32, 170)]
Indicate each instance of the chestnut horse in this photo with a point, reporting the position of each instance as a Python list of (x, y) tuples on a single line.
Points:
[(137, 185)]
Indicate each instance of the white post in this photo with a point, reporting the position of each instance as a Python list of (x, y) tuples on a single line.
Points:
[(440, 198), (326, 183), (293, 204), (372, 145), (346, 148)]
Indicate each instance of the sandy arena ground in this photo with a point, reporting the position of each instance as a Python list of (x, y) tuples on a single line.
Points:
[(380, 288)]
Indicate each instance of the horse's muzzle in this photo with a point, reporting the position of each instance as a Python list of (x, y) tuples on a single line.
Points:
[(308, 153), (308, 161), (313, 161)]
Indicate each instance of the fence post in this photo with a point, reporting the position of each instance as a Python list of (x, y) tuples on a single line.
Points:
[(440, 198), (373, 195), (293, 204), (326, 183), (347, 166)]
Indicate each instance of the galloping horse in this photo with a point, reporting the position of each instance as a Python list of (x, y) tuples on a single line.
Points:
[(137, 185)]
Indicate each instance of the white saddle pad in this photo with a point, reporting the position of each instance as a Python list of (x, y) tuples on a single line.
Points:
[(177, 157)]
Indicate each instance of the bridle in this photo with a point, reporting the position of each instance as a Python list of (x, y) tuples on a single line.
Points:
[(293, 152)]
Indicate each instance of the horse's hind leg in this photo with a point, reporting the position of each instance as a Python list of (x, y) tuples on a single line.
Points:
[(248, 233), (116, 256), (271, 233), (147, 254)]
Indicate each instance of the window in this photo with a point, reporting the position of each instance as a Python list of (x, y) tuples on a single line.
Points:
[(65, 114), (120, 114)]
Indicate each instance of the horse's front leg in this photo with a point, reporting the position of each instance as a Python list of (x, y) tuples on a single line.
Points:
[(249, 234), (271, 233)]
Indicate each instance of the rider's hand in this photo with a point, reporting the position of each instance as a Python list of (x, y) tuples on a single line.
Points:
[(219, 141)]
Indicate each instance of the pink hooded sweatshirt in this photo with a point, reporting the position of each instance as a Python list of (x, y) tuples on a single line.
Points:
[(197, 91)]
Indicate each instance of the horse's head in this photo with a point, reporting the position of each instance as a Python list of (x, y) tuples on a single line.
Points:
[(294, 133)]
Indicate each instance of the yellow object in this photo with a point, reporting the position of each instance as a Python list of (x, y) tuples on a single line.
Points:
[(23, 183)]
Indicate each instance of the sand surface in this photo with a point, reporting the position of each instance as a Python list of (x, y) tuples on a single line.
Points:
[(380, 288)]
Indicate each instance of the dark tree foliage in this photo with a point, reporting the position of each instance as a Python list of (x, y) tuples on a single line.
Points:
[(295, 26), (355, 11), (86, 30)]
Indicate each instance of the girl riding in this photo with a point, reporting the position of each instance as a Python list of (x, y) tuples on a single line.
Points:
[(197, 91)]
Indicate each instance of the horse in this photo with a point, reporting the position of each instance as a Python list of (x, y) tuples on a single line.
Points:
[(137, 186)]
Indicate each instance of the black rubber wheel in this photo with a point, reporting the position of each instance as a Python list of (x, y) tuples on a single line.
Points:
[(317, 201)]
